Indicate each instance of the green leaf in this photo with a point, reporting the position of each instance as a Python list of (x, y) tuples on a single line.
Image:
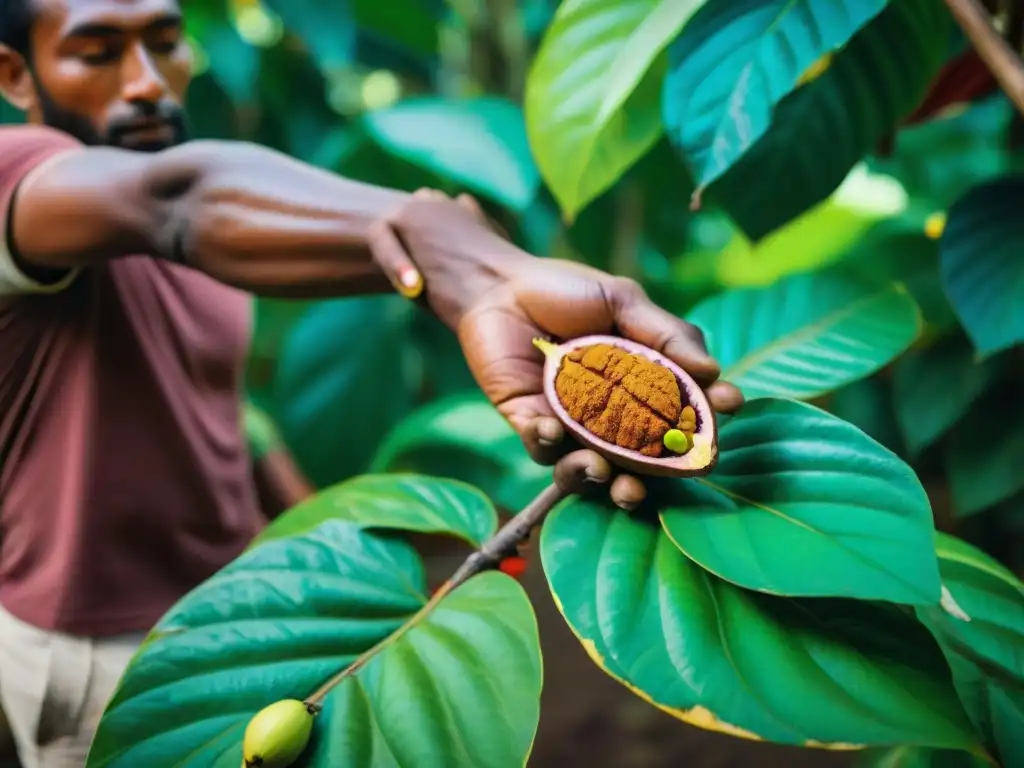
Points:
[(343, 379), (464, 437), (592, 96), (981, 270), (983, 461), (211, 113), (918, 757), (807, 334), (806, 672), (444, 366), (823, 129), (273, 321), (260, 431), (934, 387), (405, 502), (480, 143), (868, 405), (325, 27), (294, 114), (809, 506), (938, 161), (408, 23), (735, 61), (984, 652), (233, 62), (897, 250), (461, 685)]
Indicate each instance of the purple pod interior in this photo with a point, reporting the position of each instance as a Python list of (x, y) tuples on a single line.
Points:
[(694, 463)]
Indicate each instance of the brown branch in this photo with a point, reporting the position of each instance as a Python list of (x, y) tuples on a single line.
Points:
[(490, 554), (1003, 62)]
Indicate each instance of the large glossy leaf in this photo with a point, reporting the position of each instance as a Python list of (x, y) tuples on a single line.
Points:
[(823, 129), (809, 505), (273, 321), (260, 431), (810, 672), (406, 502), (592, 97), (981, 269), (463, 684), (983, 461), (806, 334), (940, 160), (897, 249), (294, 114), (342, 381), (868, 405), (232, 61), (935, 386), (326, 28), (986, 653), (735, 61), (465, 438), (479, 143), (410, 24), (918, 757)]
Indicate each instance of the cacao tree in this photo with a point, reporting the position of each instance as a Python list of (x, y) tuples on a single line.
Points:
[(827, 188)]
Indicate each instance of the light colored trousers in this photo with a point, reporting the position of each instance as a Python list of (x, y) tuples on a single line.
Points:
[(54, 687)]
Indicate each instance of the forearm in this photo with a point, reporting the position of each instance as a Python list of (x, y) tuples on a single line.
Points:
[(248, 216)]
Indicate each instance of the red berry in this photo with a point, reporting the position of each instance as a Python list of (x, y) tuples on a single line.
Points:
[(514, 566)]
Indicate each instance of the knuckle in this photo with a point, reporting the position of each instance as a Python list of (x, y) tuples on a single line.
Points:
[(695, 333), (630, 289)]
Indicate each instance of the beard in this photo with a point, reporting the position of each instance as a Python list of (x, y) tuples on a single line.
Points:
[(118, 131)]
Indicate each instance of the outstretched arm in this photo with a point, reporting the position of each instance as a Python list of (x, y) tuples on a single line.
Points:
[(247, 215), (258, 220)]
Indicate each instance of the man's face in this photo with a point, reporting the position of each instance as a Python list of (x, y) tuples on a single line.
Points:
[(109, 72)]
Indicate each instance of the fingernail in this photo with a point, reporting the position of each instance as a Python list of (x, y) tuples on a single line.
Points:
[(545, 442), (595, 479), (411, 282), (550, 432)]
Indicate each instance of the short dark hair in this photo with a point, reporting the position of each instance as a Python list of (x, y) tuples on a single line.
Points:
[(15, 24)]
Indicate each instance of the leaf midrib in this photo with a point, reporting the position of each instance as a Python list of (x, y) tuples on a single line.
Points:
[(714, 173), (819, 327)]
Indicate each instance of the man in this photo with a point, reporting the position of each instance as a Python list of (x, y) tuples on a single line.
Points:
[(127, 256)]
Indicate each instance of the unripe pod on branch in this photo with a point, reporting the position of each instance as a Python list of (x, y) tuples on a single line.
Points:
[(632, 405), (277, 734)]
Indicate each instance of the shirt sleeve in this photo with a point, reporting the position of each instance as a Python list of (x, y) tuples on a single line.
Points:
[(24, 149)]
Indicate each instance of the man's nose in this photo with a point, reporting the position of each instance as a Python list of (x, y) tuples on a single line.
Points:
[(142, 79)]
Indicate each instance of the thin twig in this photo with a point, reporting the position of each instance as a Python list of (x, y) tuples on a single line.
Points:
[(1003, 62), (489, 556)]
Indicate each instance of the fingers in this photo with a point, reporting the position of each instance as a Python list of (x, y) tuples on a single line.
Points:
[(390, 255), (641, 320), (543, 438), (582, 472), (724, 397), (585, 473), (470, 204), (628, 492)]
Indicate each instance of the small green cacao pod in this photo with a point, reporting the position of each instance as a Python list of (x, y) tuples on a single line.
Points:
[(277, 734)]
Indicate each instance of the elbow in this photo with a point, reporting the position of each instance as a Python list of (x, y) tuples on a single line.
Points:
[(190, 186), (173, 185)]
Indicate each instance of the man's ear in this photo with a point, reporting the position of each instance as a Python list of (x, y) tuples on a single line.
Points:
[(15, 79)]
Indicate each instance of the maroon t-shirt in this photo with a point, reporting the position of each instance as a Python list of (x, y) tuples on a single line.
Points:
[(124, 472)]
